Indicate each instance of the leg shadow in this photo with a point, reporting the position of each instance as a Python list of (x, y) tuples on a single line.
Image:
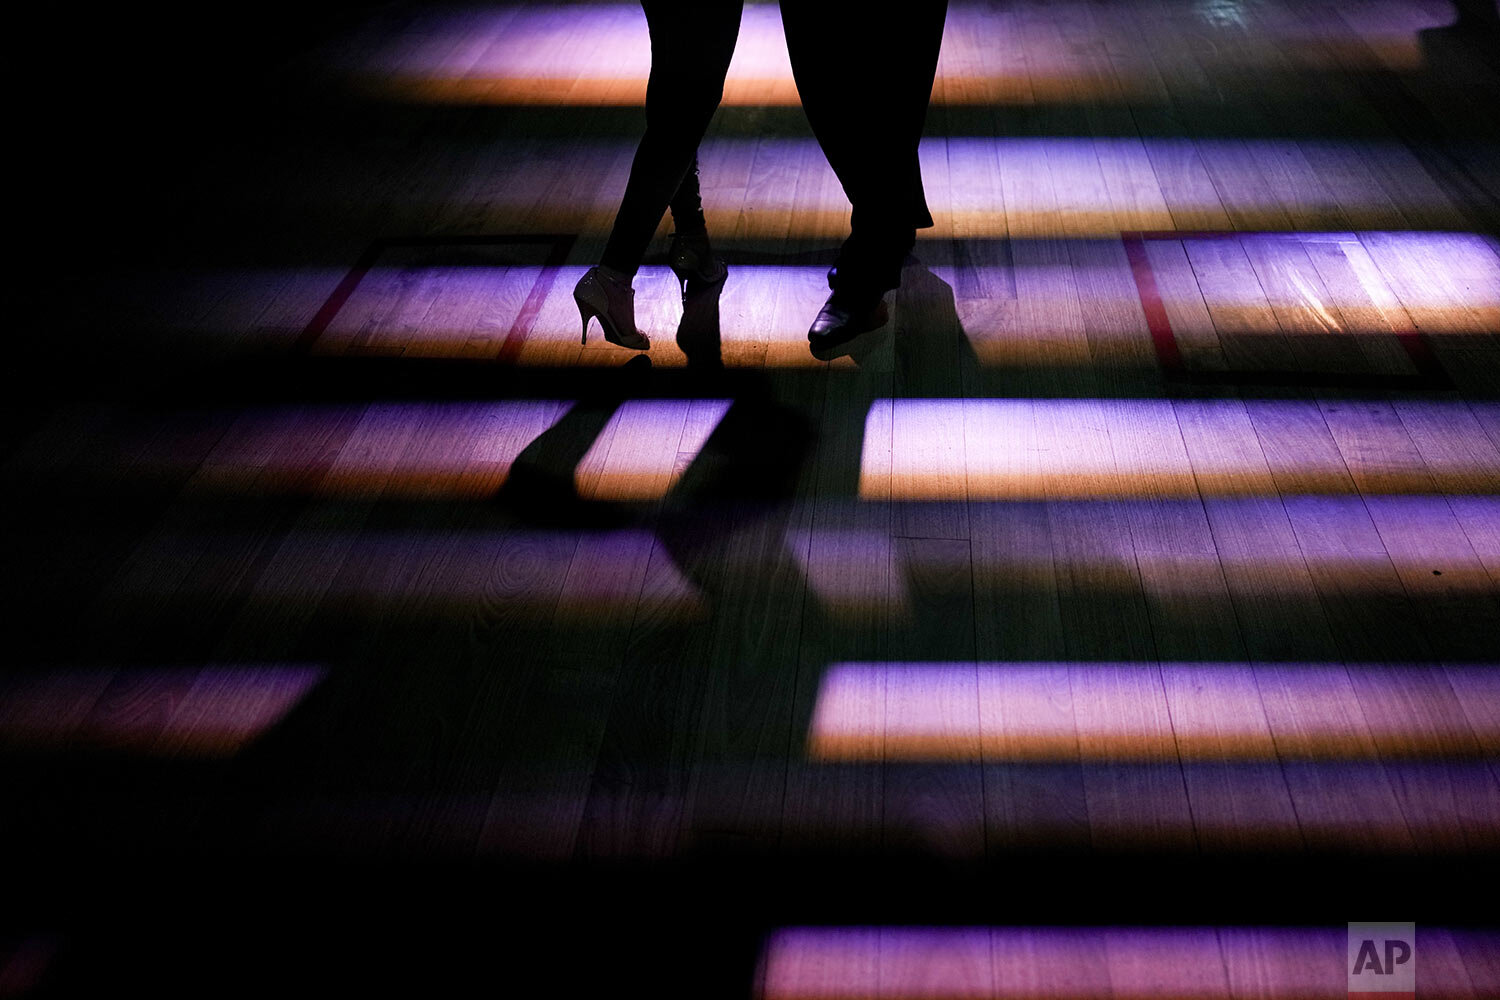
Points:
[(698, 334), (541, 487)]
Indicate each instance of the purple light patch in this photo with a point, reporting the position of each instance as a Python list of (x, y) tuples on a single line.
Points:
[(1064, 449), (598, 54), (210, 711), (1148, 712), (644, 447), (391, 450), (450, 450), (1062, 963)]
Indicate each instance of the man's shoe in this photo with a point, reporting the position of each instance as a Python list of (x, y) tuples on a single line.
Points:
[(844, 317)]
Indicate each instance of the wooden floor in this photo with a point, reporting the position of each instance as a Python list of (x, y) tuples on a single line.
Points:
[(1144, 570)]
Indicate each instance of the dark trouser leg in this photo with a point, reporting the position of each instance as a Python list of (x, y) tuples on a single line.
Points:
[(865, 85), (691, 45), (870, 260)]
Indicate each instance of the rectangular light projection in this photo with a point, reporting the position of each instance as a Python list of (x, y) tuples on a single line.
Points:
[(1072, 449), (1276, 299), (211, 711), (913, 450), (433, 451), (1124, 963), (1205, 712), (598, 54)]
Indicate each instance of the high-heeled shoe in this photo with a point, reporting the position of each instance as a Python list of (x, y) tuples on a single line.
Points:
[(612, 302), (693, 261)]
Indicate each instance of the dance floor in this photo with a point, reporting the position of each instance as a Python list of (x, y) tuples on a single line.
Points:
[(1121, 620)]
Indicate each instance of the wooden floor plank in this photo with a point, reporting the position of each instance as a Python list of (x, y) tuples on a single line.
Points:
[(847, 660), (937, 811), (1239, 807), (1247, 325), (1123, 803), (852, 570), (1282, 620)]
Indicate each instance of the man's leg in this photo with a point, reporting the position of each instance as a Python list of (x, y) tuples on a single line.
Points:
[(865, 85)]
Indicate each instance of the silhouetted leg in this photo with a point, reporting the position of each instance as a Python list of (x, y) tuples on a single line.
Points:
[(865, 85), (691, 45), (687, 205)]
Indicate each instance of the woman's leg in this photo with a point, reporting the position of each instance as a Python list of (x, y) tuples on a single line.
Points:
[(687, 205), (691, 45)]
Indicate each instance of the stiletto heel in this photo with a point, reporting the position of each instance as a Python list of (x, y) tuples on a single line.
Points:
[(613, 304)]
